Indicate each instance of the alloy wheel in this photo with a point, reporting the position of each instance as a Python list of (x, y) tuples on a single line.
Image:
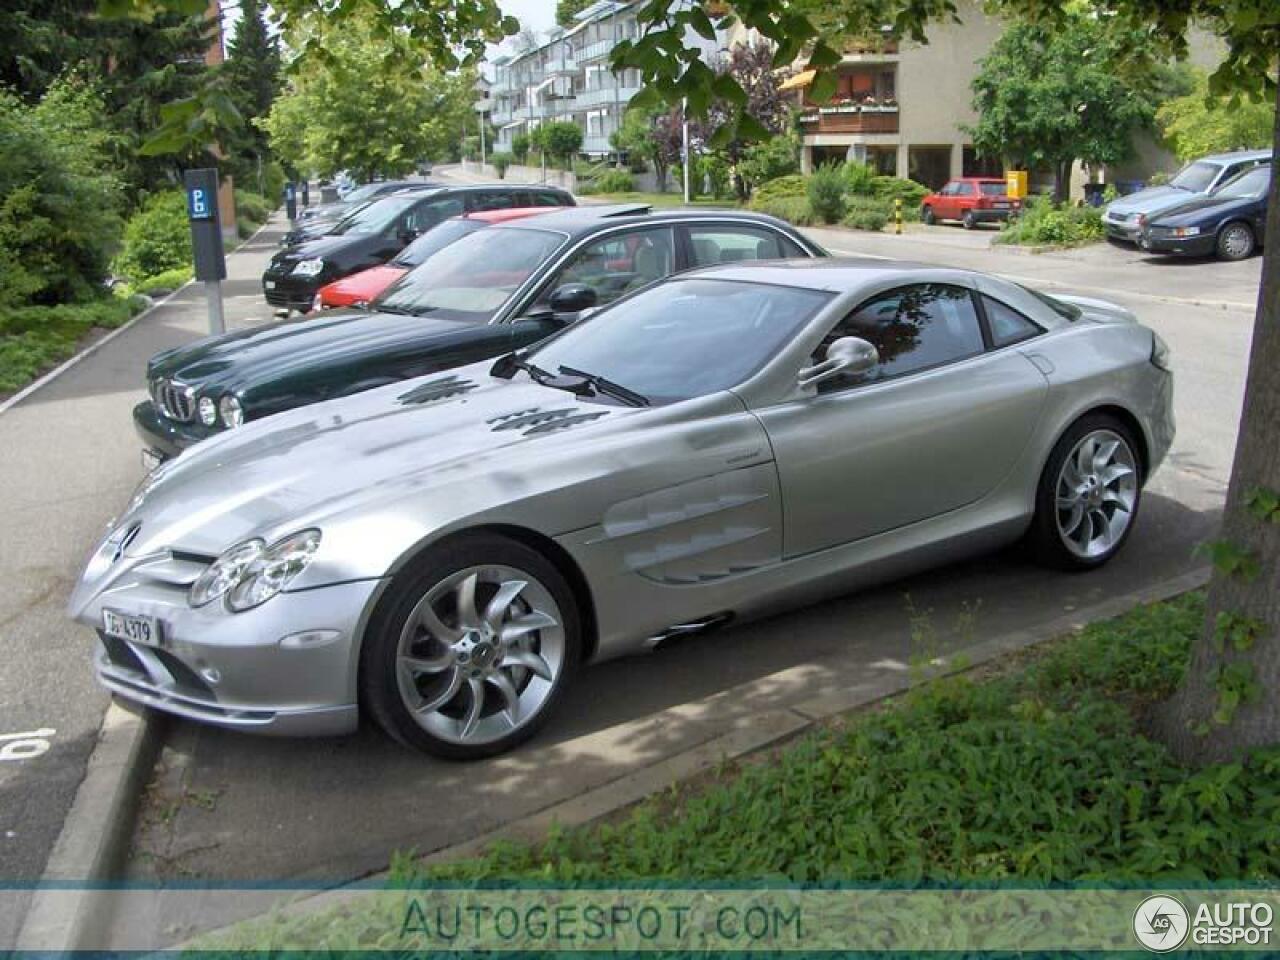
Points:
[(1096, 492), (480, 654), (1236, 242)]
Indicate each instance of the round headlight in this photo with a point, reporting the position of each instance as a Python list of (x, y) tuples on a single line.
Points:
[(273, 569), (225, 572), (208, 411), (232, 412)]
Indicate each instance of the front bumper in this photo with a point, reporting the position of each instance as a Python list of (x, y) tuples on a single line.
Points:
[(1126, 230), (289, 292), (243, 671), (164, 437), (1198, 246)]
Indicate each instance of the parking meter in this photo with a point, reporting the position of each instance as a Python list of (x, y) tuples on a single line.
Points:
[(206, 239), (306, 193), (291, 200)]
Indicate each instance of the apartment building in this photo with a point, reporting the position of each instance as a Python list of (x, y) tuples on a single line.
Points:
[(568, 78)]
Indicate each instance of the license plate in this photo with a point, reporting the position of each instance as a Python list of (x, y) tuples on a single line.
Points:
[(1001, 205), (270, 284), (124, 626)]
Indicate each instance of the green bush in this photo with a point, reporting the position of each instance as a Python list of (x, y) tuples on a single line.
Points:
[(164, 283), (520, 144), (867, 213), (35, 338), (273, 181), (59, 199), (792, 185), (890, 188), (1043, 223), (792, 209), (253, 207), (613, 181), (825, 191), (776, 157), (156, 238), (501, 161), (859, 178)]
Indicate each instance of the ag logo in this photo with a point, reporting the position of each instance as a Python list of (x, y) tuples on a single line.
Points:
[(1161, 923)]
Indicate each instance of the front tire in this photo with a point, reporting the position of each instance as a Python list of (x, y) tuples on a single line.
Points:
[(472, 648), (968, 220), (1235, 242), (1088, 495), (926, 215)]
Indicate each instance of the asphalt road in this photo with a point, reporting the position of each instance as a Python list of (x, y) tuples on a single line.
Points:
[(230, 806)]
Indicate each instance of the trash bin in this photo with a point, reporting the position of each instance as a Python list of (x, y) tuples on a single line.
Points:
[(1093, 194)]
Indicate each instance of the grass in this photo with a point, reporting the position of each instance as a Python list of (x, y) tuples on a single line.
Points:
[(34, 339)]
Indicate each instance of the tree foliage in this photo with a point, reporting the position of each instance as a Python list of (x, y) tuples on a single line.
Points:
[(560, 139), (655, 135), (357, 108), (1203, 122), (566, 10), (252, 73), (1048, 96)]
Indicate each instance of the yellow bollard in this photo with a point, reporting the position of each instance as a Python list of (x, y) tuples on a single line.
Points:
[(897, 214)]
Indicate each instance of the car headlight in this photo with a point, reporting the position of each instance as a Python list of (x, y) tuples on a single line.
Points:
[(208, 411), (1160, 353), (308, 268), (1186, 231), (232, 412), (251, 573)]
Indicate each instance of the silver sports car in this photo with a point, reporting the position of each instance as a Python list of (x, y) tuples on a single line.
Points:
[(446, 552)]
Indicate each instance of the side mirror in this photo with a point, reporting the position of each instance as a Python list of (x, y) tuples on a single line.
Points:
[(570, 300), (848, 356)]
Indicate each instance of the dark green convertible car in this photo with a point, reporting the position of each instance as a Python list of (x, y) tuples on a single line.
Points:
[(491, 292)]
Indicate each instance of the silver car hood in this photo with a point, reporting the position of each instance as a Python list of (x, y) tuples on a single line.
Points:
[(295, 469), (1149, 200)]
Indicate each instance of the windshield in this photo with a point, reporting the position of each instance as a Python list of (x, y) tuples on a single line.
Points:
[(473, 277), (435, 240), (1252, 184), (684, 338), (994, 189), (377, 216), (361, 193), (1196, 177)]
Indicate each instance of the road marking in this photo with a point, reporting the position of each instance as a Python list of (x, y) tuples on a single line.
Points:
[(27, 745)]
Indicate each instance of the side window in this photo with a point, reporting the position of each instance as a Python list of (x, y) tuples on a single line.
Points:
[(491, 200), (619, 264), (913, 328), (425, 216), (710, 245), (1007, 325), (544, 198), (964, 189)]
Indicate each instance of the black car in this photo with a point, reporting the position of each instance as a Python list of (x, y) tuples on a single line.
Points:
[(1230, 222), (309, 228), (488, 293), (370, 191), (381, 230)]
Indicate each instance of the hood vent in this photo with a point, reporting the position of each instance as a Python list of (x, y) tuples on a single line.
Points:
[(536, 420), (442, 389)]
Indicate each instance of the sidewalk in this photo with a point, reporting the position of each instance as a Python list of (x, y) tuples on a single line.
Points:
[(71, 461)]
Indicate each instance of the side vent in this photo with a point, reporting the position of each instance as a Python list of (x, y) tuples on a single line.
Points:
[(442, 389)]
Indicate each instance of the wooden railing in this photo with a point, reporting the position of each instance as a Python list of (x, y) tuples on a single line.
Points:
[(882, 120)]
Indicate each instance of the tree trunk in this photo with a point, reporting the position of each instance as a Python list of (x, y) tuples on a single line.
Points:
[(1182, 720), (1062, 180)]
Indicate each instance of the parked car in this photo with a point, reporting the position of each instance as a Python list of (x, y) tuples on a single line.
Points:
[(1125, 217), (360, 288), (320, 225), (380, 231), (444, 554), (498, 289), (1230, 222), (971, 200), (369, 191)]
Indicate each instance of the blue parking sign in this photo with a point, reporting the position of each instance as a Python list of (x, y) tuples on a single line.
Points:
[(199, 204)]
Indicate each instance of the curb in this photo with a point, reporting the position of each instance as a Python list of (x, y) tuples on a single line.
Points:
[(88, 351), (96, 833), (752, 733)]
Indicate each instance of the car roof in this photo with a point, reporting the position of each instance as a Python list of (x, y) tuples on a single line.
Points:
[(836, 274), (578, 221), (503, 216), (1235, 156)]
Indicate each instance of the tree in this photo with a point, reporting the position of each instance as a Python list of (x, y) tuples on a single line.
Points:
[(359, 109), (1051, 95), (654, 135), (1203, 122), (561, 139), (566, 10), (252, 74)]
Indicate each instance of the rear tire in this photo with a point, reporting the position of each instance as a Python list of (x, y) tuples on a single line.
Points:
[(1235, 241), (927, 217), (968, 220), (471, 649), (1088, 496)]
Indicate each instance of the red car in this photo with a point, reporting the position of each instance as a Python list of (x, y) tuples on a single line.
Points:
[(971, 200), (360, 288)]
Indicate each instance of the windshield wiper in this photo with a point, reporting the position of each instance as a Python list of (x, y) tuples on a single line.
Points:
[(508, 364), (606, 386)]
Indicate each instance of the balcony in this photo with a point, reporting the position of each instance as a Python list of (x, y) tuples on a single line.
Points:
[(560, 66), (851, 118), (597, 145), (869, 50), (594, 51), (603, 96)]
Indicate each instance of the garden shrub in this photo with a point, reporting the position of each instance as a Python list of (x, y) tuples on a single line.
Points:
[(867, 213), (1043, 223), (825, 191), (890, 188), (156, 238), (772, 158), (859, 178), (164, 283), (792, 209), (792, 185), (35, 338), (613, 181), (273, 181), (520, 145), (501, 161), (253, 207)]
